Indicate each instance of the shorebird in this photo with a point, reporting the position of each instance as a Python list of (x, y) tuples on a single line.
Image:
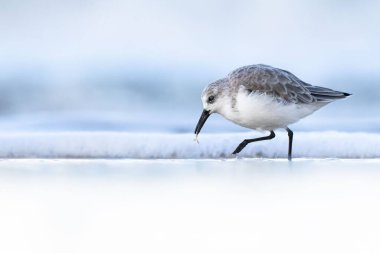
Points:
[(264, 98)]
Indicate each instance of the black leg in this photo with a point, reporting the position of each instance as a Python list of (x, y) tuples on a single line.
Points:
[(246, 141), (290, 134)]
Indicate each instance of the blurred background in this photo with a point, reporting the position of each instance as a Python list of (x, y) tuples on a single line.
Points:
[(141, 65), (127, 68)]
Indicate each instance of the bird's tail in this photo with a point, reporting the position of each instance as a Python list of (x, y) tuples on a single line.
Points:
[(325, 94)]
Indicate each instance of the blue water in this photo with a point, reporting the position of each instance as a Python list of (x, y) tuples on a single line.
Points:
[(124, 66)]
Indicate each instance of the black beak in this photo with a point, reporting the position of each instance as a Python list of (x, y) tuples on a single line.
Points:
[(201, 122)]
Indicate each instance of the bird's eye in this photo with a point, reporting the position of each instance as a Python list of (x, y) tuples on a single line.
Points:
[(211, 99)]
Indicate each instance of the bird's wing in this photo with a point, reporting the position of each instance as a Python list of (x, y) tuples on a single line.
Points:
[(279, 83), (325, 94)]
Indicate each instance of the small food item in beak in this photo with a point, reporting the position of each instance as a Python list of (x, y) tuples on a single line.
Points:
[(196, 138)]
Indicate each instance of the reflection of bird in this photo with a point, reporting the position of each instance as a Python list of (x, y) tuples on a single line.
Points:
[(264, 98)]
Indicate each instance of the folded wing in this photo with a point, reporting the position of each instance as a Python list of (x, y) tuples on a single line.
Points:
[(281, 84)]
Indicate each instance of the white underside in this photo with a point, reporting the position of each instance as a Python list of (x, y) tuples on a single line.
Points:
[(263, 112)]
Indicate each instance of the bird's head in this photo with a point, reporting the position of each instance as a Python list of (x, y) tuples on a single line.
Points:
[(213, 97)]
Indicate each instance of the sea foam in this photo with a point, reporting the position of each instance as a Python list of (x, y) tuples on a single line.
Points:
[(172, 146)]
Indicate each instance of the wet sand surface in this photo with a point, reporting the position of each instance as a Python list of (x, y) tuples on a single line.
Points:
[(241, 205)]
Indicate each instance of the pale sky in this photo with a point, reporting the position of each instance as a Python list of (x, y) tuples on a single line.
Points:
[(220, 35)]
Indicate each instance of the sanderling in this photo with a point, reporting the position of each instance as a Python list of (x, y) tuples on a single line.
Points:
[(263, 98)]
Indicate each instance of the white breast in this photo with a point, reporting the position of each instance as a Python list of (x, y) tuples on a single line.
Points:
[(263, 112)]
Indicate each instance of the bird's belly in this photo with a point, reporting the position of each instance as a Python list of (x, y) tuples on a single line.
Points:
[(262, 112)]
